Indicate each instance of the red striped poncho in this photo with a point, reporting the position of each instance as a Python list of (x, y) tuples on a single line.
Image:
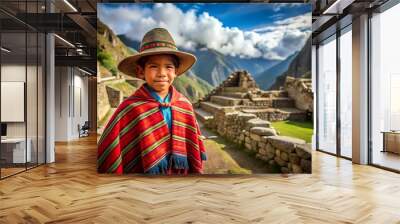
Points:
[(137, 138)]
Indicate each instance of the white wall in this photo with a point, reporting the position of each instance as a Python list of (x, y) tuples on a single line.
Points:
[(71, 93), (314, 89), (12, 73), (61, 103), (33, 126), (80, 110)]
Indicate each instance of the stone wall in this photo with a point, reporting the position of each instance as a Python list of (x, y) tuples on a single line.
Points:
[(279, 115), (239, 111), (108, 97), (103, 105), (237, 82), (300, 90), (135, 82), (115, 96), (289, 155)]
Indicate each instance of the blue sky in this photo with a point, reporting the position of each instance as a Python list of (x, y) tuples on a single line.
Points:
[(248, 16), (251, 30)]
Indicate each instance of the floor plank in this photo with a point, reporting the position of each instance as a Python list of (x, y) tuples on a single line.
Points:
[(70, 191)]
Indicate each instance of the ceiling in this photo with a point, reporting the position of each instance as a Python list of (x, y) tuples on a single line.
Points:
[(75, 21), (72, 20), (330, 15)]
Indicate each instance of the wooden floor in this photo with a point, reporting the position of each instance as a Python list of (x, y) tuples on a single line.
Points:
[(387, 159), (70, 191), (5, 172), (10, 171)]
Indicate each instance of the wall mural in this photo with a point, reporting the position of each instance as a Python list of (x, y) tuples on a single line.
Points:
[(204, 88)]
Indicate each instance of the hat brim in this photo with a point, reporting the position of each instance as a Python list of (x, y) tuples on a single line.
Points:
[(186, 60)]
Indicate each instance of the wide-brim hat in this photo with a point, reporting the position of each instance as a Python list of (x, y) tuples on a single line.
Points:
[(157, 41)]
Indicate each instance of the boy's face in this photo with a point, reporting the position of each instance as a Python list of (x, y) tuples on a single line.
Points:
[(159, 73)]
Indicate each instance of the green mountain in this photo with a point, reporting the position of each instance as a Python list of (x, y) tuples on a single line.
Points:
[(128, 42), (212, 66), (253, 65), (192, 86), (110, 49), (300, 67), (267, 78)]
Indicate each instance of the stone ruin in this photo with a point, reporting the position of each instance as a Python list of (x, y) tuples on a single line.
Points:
[(109, 97), (300, 90), (241, 112), (239, 92)]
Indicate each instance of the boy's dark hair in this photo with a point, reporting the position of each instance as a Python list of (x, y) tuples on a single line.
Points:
[(142, 61)]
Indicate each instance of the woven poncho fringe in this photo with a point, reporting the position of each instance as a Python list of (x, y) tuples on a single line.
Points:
[(137, 138)]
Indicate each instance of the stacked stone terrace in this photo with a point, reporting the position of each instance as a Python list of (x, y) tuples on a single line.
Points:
[(239, 92), (239, 111)]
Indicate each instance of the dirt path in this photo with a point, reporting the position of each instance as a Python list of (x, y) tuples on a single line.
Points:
[(224, 157)]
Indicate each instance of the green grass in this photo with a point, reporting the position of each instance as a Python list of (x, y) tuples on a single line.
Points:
[(297, 129), (106, 59), (126, 88), (105, 119)]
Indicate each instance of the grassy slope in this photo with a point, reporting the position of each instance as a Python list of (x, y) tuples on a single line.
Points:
[(110, 47), (301, 130), (226, 157), (104, 120), (192, 87), (126, 88)]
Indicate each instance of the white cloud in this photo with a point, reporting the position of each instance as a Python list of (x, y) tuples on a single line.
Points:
[(276, 7), (284, 37), (191, 31)]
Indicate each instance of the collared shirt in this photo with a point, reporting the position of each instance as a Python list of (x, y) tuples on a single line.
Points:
[(166, 111)]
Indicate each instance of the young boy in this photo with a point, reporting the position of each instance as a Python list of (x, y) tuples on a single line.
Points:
[(153, 131)]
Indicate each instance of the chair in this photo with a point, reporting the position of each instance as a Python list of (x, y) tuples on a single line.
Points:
[(84, 130)]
